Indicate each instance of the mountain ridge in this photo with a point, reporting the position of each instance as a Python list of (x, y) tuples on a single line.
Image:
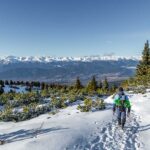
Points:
[(48, 59)]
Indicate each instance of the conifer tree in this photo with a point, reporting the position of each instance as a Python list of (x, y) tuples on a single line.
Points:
[(146, 54), (6, 82), (2, 83), (92, 85), (46, 87), (105, 84), (27, 83), (144, 65), (38, 84), (1, 90), (78, 84), (113, 87), (22, 83), (18, 82), (100, 84), (11, 82), (42, 86), (143, 69)]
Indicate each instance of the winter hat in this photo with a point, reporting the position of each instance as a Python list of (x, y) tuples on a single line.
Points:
[(120, 89)]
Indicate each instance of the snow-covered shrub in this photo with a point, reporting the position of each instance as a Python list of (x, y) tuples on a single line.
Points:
[(99, 104), (87, 105)]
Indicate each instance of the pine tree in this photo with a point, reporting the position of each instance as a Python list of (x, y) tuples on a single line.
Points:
[(42, 86), (78, 84), (11, 82), (46, 87), (27, 83), (143, 69), (146, 54), (1, 90), (92, 85), (113, 87), (38, 84), (144, 65), (6, 82), (18, 82), (22, 83), (105, 84), (100, 84), (2, 83)]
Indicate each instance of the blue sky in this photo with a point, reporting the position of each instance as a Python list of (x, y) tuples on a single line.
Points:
[(73, 27)]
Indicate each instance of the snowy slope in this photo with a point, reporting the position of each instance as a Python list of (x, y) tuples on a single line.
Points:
[(66, 129), (142, 109), (73, 130)]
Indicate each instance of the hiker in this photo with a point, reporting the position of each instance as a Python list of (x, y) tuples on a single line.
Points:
[(121, 106)]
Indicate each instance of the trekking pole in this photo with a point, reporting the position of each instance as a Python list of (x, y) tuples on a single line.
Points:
[(113, 117), (38, 129)]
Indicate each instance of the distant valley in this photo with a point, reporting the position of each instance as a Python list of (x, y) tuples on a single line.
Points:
[(65, 70)]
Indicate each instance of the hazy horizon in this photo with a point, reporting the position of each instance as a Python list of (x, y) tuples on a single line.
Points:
[(74, 56)]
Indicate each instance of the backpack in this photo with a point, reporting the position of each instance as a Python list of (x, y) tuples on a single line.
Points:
[(122, 99)]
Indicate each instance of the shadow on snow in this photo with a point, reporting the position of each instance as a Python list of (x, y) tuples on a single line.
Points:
[(137, 129), (26, 134)]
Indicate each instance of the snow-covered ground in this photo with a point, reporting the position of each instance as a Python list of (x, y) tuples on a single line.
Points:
[(18, 89), (72, 130), (141, 106)]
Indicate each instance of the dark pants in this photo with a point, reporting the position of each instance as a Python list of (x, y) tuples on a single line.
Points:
[(121, 116)]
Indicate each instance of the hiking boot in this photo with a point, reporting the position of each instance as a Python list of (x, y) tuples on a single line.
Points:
[(122, 126), (119, 122)]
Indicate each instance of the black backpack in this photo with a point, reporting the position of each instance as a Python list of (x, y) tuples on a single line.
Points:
[(122, 98)]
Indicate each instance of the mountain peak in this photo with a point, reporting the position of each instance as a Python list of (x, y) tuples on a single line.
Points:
[(47, 59)]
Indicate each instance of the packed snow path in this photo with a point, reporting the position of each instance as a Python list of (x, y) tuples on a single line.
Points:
[(73, 130), (111, 137)]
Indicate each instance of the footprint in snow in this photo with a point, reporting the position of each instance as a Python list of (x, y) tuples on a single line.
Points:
[(111, 137)]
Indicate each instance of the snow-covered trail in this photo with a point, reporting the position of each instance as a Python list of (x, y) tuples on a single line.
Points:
[(108, 136), (111, 137), (73, 130)]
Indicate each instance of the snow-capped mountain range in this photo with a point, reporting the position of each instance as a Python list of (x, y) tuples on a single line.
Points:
[(66, 69), (48, 59)]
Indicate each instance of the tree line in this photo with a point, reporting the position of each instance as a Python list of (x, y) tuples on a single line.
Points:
[(93, 86)]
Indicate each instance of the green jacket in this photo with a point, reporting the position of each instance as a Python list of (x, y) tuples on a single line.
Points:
[(123, 103), (126, 103)]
